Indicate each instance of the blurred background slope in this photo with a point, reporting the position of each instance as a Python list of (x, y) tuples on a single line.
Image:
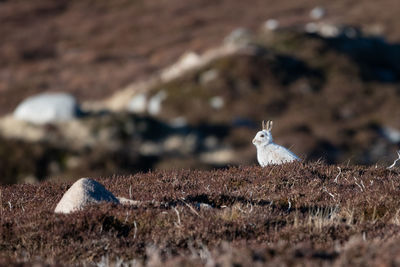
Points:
[(175, 84)]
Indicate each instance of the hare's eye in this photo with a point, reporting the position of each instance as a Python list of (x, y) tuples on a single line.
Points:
[(262, 135)]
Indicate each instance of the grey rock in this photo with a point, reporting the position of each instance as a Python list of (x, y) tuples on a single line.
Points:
[(47, 108), (271, 24), (84, 192), (203, 206), (317, 12), (217, 102), (391, 134)]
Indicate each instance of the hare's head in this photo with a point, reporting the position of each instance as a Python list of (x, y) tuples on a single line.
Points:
[(264, 137)]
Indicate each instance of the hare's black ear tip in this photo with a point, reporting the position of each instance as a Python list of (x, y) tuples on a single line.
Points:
[(268, 126)]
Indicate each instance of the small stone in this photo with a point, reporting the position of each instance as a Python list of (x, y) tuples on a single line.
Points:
[(317, 12), (203, 206), (391, 134), (351, 32), (138, 104), (329, 31), (84, 192), (179, 122), (129, 202), (271, 24), (217, 102)]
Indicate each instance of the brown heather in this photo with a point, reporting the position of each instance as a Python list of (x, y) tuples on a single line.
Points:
[(294, 214)]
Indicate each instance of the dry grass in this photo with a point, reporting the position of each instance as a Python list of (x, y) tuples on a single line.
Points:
[(292, 215)]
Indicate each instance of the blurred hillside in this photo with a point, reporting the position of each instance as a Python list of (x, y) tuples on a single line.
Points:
[(94, 48), (167, 84)]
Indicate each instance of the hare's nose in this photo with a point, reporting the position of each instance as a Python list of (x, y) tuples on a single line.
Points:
[(254, 141)]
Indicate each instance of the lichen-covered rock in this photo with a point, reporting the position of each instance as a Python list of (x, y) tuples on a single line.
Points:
[(47, 108), (83, 192)]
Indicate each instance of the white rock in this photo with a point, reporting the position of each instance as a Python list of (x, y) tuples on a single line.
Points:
[(47, 108), (154, 106), (271, 24), (317, 12), (391, 134), (83, 192), (217, 102), (239, 36), (138, 103), (329, 31)]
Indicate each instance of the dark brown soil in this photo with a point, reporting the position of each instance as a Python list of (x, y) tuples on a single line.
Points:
[(93, 48), (294, 214)]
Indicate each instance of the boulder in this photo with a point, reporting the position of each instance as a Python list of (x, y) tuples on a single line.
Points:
[(47, 108), (84, 192)]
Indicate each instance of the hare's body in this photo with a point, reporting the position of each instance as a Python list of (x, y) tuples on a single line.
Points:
[(274, 154), (267, 151)]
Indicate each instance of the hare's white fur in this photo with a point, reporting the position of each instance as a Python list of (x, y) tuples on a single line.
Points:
[(267, 151)]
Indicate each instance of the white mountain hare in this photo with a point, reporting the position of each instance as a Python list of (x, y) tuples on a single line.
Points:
[(267, 151)]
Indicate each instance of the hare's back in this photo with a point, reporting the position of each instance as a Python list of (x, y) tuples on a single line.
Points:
[(275, 154)]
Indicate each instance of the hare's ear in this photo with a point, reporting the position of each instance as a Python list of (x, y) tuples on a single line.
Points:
[(269, 125), (264, 125)]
